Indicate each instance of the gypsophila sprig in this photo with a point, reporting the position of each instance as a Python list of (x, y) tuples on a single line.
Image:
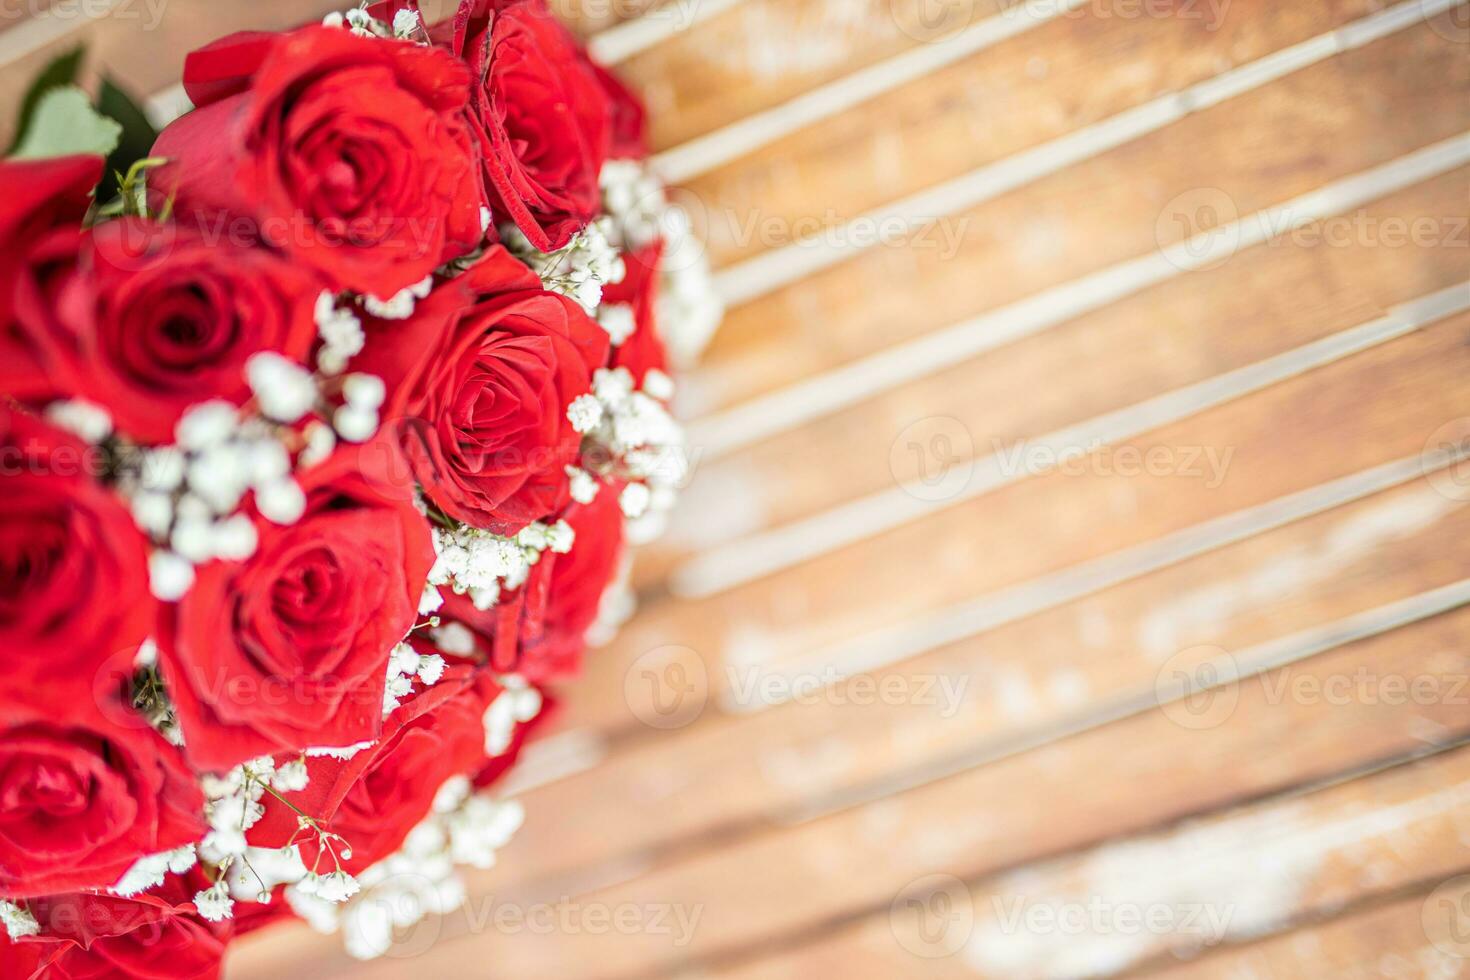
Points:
[(579, 269)]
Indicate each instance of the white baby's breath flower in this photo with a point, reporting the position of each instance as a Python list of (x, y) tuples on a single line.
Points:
[(612, 386), (658, 384), (266, 460), (517, 703), (481, 826), (219, 475), (214, 903), (341, 333), (290, 777), (163, 468), (397, 688), (234, 538), (153, 511), (83, 419), (355, 424), (634, 500), (360, 22), (431, 668), (284, 389), (583, 484), (205, 424), (403, 659), (452, 794), (577, 270), (455, 638), (18, 920), (281, 501), (532, 536), (585, 412), (145, 873), (397, 307), (617, 319), (365, 391), (337, 886), (169, 575), (320, 441), (560, 537), (192, 540), (405, 24)]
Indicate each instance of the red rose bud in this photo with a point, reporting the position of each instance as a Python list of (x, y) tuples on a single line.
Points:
[(81, 801), (372, 800), (479, 382), (41, 201), (158, 934), (540, 112), (74, 599), (289, 649), (349, 154), (150, 319)]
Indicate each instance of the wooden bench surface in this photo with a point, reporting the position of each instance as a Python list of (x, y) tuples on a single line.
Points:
[(1073, 577)]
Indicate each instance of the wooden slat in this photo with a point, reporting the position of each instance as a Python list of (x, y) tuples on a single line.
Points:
[(1387, 940), (140, 43), (1109, 209), (1263, 301), (1071, 72), (760, 53), (1208, 884), (784, 884), (1288, 438), (1012, 684)]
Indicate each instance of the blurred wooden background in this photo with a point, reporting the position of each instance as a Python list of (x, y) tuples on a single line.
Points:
[(1074, 577)]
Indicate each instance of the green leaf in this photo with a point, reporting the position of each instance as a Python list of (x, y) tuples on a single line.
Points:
[(138, 135), (65, 123), (61, 71)]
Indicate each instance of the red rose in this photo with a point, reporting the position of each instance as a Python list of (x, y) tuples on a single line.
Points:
[(540, 112), (627, 117), (38, 199), (153, 935), (290, 648), (151, 319), (376, 797), (644, 350), (578, 581), (348, 153), (549, 616), (80, 802), (73, 569), (480, 379)]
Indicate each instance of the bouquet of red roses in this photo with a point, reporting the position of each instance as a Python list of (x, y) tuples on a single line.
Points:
[(324, 427)]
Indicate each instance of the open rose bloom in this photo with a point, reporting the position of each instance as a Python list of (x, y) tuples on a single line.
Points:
[(320, 453)]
